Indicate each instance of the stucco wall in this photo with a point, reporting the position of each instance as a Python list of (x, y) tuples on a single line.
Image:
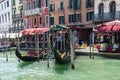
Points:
[(4, 26), (106, 5)]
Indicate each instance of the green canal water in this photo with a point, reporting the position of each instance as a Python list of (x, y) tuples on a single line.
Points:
[(85, 69)]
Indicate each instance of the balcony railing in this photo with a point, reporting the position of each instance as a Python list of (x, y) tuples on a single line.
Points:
[(106, 16), (16, 16), (16, 29), (33, 11)]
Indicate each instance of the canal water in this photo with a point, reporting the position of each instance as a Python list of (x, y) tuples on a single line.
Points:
[(85, 69)]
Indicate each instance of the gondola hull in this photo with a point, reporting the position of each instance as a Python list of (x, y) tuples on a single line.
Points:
[(27, 58), (61, 60)]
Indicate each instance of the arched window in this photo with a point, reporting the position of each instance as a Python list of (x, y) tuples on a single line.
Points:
[(112, 8), (101, 11), (101, 8)]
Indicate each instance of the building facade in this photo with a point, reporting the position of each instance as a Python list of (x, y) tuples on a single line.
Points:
[(5, 16), (106, 10), (75, 13), (17, 19), (35, 13)]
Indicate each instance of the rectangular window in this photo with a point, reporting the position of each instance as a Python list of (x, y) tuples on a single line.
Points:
[(89, 16), (52, 7), (61, 20), (13, 3), (34, 4), (46, 3), (9, 16), (40, 20), (34, 21), (2, 6), (29, 7), (5, 17), (89, 3), (21, 12), (70, 4), (77, 4), (71, 18), (51, 20), (39, 3), (7, 3), (30, 22), (78, 17), (24, 23), (47, 20), (61, 5)]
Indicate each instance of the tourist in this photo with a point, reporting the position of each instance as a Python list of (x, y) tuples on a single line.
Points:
[(59, 40)]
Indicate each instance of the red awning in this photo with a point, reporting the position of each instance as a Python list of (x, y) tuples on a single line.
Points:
[(34, 31), (113, 26)]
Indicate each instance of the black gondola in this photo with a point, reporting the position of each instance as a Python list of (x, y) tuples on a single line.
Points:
[(26, 57), (61, 57), (61, 48)]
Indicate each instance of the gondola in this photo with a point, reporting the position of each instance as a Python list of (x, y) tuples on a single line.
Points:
[(26, 57), (61, 57)]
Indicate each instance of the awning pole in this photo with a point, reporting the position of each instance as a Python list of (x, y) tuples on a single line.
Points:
[(61, 40), (64, 40)]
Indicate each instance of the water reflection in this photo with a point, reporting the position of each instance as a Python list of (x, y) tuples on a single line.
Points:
[(24, 64), (61, 69)]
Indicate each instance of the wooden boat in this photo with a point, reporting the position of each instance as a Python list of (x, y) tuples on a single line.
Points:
[(4, 47), (61, 57), (110, 55), (27, 57)]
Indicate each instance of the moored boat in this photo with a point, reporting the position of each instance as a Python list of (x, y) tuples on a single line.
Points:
[(28, 58), (5, 47), (110, 55), (61, 57)]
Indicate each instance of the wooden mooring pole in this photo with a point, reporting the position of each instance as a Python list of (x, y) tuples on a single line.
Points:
[(72, 49)]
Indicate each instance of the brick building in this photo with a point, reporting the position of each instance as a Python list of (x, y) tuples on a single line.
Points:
[(73, 13), (35, 13)]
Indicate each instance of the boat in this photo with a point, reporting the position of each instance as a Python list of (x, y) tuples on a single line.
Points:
[(61, 50), (5, 47), (28, 58), (29, 45), (61, 57), (110, 55)]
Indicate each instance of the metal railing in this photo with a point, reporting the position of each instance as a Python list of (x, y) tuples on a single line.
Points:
[(106, 16), (33, 11), (16, 16)]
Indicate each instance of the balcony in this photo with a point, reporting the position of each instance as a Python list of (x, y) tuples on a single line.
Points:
[(33, 11), (16, 16), (106, 16)]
